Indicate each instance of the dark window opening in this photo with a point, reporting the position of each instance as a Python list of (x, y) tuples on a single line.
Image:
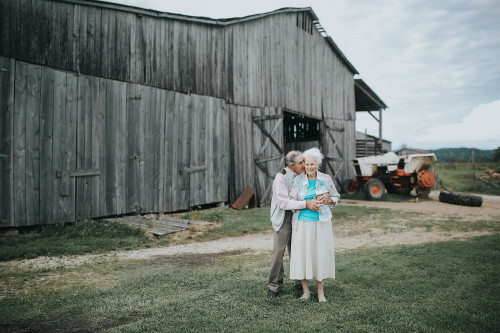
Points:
[(300, 132), (298, 128)]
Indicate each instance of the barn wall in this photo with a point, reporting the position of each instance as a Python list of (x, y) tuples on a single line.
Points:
[(273, 62), (276, 63), (154, 150), (119, 45)]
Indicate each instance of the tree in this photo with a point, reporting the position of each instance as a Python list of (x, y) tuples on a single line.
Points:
[(496, 155)]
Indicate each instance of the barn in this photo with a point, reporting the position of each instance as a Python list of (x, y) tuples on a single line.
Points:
[(108, 109)]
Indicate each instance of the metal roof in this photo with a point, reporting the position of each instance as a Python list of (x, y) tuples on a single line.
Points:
[(365, 97)]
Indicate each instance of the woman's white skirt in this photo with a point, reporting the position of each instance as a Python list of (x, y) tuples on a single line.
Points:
[(312, 254)]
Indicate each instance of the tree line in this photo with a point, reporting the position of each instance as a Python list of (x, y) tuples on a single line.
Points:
[(465, 154)]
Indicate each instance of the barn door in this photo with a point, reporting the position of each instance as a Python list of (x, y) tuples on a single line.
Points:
[(268, 150), (334, 156), (205, 159)]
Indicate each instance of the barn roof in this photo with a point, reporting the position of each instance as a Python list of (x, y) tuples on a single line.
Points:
[(223, 21), (366, 98)]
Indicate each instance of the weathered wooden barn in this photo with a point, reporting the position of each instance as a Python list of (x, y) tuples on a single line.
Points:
[(107, 109)]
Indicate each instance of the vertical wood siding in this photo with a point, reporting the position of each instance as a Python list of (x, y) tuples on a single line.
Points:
[(156, 150), (114, 44)]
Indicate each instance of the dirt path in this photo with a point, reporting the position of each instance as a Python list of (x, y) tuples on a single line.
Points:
[(263, 242)]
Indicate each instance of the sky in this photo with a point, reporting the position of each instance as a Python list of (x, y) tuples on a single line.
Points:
[(435, 64)]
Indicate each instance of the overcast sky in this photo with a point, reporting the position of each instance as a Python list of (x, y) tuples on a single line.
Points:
[(436, 64)]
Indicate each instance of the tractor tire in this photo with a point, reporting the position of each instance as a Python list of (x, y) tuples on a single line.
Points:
[(348, 188), (461, 199), (423, 193), (399, 190), (374, 189)]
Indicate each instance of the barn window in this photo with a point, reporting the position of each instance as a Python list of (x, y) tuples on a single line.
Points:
[(300, 132)]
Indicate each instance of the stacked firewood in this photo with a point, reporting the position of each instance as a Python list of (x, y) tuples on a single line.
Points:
[(490, 174)]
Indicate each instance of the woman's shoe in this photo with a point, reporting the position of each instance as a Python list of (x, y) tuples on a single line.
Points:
[(322, 299), (304, 297)]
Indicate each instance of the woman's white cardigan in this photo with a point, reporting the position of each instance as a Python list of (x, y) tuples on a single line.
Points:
[(324, 184)]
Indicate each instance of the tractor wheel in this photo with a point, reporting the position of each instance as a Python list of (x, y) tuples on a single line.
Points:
[(423, 193), (348, 187), (399, 190), (374, 189), (461, 199)]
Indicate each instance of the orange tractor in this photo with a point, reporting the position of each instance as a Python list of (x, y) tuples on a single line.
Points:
[(397, 174)]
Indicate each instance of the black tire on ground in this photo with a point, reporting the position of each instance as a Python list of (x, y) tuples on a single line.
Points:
[(347, 187), (461, 199), (374, 189), (399, 190)]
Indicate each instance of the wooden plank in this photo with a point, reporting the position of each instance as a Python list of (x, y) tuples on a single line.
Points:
[(5, 26), (155, 148), (102, 121), (33, 145), (46, 144), (95, 141), (170, 143), (59, 121), (86, 88), (121, 56), (110, 142), (144, 149), (104, 42), (162, 159), (130, 47), (7, 85), (121, 149), (134, 125), (212, 153), (69, 157), (19, 143), (82, 53), (81, 131)]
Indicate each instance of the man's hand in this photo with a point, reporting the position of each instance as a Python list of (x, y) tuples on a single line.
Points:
[(325, 199), (313, 205)]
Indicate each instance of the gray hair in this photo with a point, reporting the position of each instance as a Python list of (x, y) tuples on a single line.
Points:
[(315, 153), (291, 157)]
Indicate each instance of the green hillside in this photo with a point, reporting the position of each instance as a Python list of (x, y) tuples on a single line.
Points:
[(462, 155)]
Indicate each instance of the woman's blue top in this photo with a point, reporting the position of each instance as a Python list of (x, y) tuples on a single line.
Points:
[(307, 214)]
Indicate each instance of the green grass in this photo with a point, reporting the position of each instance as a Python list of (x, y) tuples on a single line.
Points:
[(86, 236), (437, 287), (457, 177)]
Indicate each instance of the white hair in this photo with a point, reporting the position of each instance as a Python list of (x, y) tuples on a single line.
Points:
[(315, 153)]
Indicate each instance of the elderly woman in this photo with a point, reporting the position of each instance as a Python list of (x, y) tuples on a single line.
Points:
[(312, 236)]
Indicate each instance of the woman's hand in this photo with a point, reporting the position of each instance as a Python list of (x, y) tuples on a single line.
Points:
[(313, 204), (325, 199)]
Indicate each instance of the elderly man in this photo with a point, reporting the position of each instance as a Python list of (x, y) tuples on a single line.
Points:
[(281, 218)]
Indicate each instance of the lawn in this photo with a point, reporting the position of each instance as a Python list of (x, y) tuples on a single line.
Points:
[(463, 177), (438, 287)]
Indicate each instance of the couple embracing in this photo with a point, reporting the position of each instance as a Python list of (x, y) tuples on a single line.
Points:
[(301, 218)]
